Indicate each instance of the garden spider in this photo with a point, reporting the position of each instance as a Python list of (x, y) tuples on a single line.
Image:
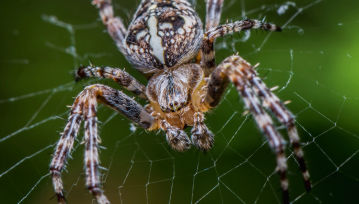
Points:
[(166, 42)]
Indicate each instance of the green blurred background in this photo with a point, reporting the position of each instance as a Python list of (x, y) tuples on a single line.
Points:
[(314, 61)]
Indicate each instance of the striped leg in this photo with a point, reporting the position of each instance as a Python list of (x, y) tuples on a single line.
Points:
[(208, 60), (92, 140), (213, 13), (213, 16), (231, 69), (272, 102), (115, 26), (118, 75), (238, 26), (63, 150), (84, 107)]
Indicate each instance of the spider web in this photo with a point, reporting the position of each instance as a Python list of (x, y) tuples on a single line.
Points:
[(312, 69)]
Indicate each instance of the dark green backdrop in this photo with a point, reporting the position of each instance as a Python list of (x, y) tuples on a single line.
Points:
[(314, 61)]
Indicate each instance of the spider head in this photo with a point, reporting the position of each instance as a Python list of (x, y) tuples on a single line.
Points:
[(171, 89), (163, 35)]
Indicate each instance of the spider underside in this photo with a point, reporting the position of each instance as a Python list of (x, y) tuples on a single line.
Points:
[(166, 42)]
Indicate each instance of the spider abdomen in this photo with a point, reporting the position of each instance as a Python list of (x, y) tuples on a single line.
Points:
[(163, 34)]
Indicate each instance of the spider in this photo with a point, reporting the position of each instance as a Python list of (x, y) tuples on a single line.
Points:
[(166, 42)]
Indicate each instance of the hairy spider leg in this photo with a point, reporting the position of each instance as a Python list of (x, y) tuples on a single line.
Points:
[(213, 13), (213, 16), (208, 58), (272, 102), (120, 76), (63, 149), (92, 140), (84, 107), (232, 68), (115, 26)]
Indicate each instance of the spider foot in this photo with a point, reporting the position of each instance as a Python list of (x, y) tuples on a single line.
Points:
[(202, 137), (102, 199), (57, 181), (61, 198), (178, 139), (99, 195)]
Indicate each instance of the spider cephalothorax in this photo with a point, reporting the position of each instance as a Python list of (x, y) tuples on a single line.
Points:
[(172, 89), (166, 42)]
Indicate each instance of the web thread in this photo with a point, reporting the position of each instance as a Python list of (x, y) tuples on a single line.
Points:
[(151, 174)]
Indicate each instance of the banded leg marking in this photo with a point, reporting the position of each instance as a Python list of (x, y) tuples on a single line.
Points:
[(231, 68), (92, 140), (239, 26), (63, 150), (213, 13), (213, 16), (84, 107), (208, 60), (272, 102), (118, 75), (115, 26)]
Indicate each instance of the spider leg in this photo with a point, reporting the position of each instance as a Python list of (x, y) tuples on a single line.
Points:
[(238, 26), (213, 13), (63, 150), (208, 58), (202, 137), (84, 107), (231, 68), (92, 141), (118, 75), (176, 137), (213, 16), (115, 26), (272, 102)]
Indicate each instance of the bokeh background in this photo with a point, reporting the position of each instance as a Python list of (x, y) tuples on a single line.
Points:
[(314, 61)]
